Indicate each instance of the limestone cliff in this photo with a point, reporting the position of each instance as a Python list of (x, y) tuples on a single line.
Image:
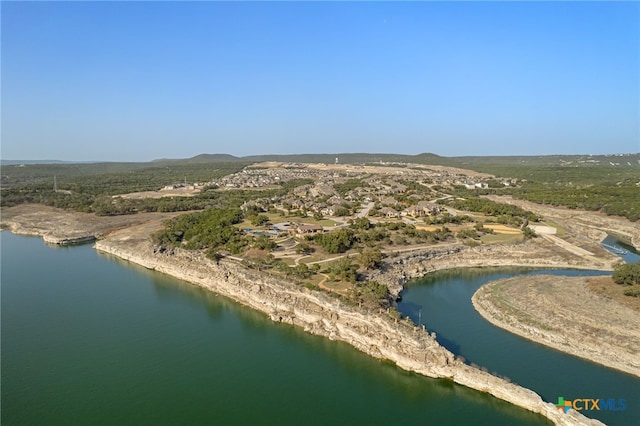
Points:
[(372, 332), (398, 270)]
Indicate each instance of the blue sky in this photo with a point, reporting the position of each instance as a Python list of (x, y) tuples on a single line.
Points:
[(136, 81)]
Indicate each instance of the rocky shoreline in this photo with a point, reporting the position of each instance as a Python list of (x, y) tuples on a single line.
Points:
[(403, 268), (373, 332), (62, 227), (546, 311)]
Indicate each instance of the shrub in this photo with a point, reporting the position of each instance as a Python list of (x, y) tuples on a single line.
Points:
[(627, 273), (633, 291)]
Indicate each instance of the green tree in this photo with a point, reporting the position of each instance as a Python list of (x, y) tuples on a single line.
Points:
[(370, 258), (260, 220), (345, 270), (337, 241), (529, 233), (263, 242), (361, 223), (304, 248), (301, 271), (627, 273)]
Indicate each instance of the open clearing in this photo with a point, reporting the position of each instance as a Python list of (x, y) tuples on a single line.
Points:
[(180, 192)]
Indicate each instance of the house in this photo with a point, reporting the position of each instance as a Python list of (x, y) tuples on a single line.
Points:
[(301, 191), (389, 212), (412, 211), (336, 199), (428, 209), (479, 185), (423, 208), (389, 201), (304, 229), (330, 210), (298, 204)]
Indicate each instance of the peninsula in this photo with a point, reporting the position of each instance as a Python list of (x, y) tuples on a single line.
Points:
[(577, 315), (329, 248)]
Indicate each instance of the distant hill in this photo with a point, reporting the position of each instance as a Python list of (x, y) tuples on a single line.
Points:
[(489, 164), (202, 158), (344, 158), (19, 162), (472, 162)]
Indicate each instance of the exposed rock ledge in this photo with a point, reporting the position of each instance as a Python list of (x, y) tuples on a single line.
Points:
[(52, 238), (538, 253), (371, 332)]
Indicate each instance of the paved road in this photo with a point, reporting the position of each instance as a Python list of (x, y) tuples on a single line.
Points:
[(365, 211)]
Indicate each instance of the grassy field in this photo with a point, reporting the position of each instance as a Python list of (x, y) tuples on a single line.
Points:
[(501, 238)]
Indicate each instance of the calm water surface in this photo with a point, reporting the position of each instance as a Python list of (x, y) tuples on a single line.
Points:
[(87, 339), (443, 301)]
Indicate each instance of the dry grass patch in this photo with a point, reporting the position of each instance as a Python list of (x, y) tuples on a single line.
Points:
[(566, 314), (340, 287), (503, 229), (501, 238), (605, 287)]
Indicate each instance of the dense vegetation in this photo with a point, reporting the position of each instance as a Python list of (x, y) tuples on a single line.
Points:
[(96, 188), (210, 230), (611, 189), (87, 187), (628, 274), (504, 213), (621, 198), (349, 185), (602, 183)]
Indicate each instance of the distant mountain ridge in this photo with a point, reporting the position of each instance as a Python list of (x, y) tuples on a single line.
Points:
[(360, 158), (423, 158), (347, 158)]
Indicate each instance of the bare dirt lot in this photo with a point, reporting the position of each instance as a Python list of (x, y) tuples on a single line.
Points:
[(392, 170), (588, 317), (179, 192)]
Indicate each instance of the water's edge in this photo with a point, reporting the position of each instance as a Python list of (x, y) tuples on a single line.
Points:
[(372, 332), (566, 343)]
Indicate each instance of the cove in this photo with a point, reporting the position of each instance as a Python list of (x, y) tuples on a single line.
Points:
[(89, 339), (442, 300)]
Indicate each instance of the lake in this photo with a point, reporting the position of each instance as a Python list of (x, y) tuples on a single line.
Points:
[(90, 339)]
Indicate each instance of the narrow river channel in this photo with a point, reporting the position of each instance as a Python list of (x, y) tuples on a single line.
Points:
[(442, 300)]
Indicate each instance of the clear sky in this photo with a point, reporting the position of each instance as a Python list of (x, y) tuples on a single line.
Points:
[(136, 81)]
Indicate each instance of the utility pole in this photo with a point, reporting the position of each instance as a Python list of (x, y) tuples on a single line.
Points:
[(55, 184)]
